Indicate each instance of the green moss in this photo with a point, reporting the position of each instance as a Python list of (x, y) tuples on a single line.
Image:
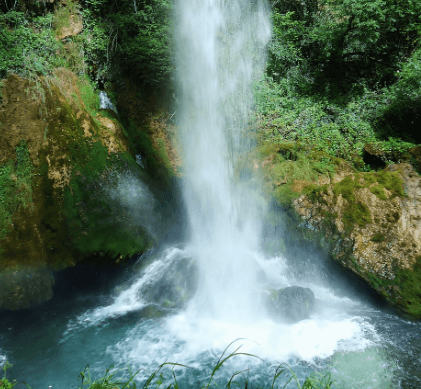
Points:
[(15, 187), (346, 188), (379, 192), (378, 237), (164, 156), (89, 97), (140, 143), (61, 17), (386, 180), (409, 289), (92, 221), (289, 150), (288, 162), (95, 223), (329, 220), (356, 213), (355, 264), (404, 291)]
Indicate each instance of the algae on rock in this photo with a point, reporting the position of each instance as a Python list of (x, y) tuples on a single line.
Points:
[(61, 159), (373, 227)]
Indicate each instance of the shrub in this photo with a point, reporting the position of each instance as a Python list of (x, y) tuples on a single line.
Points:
[(27, 45)]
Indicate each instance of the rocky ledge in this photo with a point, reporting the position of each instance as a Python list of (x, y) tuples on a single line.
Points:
[(70, 185), (371, 223)]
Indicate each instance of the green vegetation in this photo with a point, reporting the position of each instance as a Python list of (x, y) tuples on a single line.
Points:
[(27, 45), (119, 39), (94, 222), (160, 380), (341, 75), (408, 282), (404, 290), (15, 187), (4, 382), (129, 38), (75, 206), (287, 162), (378, 237)]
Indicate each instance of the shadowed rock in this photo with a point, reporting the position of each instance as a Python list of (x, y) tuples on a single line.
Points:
[(176, 286), (25, 287), (291, 304)]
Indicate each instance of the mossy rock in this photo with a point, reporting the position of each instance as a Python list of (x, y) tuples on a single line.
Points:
[(376, 216), (175, 286), (63, 205), (403, 291), (25, 287)]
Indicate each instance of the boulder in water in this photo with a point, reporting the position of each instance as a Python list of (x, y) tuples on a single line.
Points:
[(291, 304), (175, 287)]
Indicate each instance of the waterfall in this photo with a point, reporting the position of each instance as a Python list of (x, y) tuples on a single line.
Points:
[(220, 52)]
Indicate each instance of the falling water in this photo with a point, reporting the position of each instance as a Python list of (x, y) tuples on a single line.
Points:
[(220, 51)]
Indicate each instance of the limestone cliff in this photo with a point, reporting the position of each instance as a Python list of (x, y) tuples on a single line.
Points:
[(70, 186), (371, 224)]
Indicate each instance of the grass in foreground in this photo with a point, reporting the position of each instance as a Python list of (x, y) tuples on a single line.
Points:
[(157, 380)]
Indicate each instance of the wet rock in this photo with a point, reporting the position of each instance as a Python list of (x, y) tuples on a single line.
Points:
[(370, 223), (71, 188), (25, 287), (291, 304), (175, 287)]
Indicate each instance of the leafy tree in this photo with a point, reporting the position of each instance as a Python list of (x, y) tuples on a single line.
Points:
[(129, 37), (341, 74), (343, 44)]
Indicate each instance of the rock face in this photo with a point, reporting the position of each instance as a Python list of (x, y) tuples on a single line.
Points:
[(25, 287), (70, 186), (371, 224), (72, 28), (291, 304)]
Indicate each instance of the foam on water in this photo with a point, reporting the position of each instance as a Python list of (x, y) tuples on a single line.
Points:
[(130, 299), (191, 336), (3, 358)]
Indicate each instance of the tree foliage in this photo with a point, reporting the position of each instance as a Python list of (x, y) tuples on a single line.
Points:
[(120, 38), (341, 45), (129, 37), (344, 73)]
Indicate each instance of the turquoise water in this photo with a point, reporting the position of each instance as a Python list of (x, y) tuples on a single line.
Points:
[(363, 346)]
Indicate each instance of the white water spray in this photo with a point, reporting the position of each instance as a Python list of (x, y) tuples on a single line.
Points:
[(220, 51)]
